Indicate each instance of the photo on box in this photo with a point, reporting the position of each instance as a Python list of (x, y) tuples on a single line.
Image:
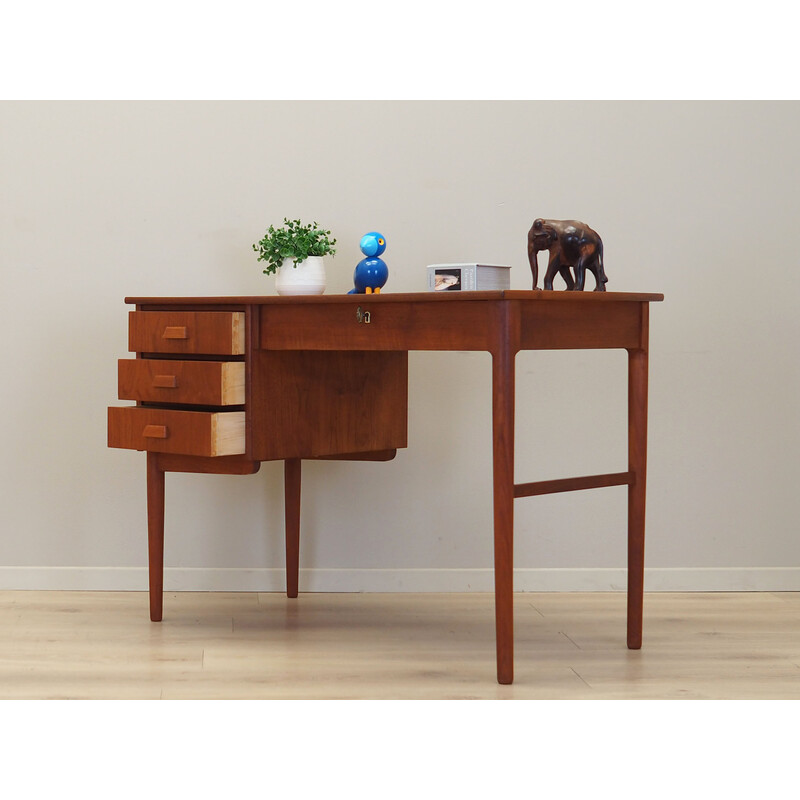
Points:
[(447, 280)]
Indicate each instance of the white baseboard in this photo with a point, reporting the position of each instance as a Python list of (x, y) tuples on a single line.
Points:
[(179, 579)]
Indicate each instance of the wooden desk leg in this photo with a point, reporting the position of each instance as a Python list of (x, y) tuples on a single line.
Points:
[(291, 480), (155, 535), (503, 469), (637, 465)]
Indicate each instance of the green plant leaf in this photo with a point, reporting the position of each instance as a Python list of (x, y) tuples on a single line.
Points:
[(293, 240)]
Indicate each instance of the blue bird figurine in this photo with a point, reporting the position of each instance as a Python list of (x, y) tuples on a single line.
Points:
[(371, 272)]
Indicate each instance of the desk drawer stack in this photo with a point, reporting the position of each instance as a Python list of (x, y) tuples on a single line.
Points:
[(188, 381)]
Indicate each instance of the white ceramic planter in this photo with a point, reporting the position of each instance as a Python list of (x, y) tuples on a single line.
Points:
[(308, 277)]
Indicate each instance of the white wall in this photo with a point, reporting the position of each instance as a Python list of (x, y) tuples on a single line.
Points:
[(695, 200)]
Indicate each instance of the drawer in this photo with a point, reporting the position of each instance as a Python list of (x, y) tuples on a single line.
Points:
[(341, 324), (205, 383), (189, 332), (191, 433)]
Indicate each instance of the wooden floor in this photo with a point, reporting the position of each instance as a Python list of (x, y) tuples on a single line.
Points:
[(395, 646)]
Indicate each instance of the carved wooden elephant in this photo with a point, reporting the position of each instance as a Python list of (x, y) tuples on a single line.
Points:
[(572, 244)]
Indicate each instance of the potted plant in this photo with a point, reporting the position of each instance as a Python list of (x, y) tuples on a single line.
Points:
[(294, 252)]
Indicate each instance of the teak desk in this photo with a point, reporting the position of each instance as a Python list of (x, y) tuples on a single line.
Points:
[(224, 383)]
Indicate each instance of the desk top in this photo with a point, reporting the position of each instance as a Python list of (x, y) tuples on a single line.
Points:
[(530, 295), (538, 320)]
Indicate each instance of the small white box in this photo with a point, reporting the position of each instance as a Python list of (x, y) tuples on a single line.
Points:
[(468, 277)]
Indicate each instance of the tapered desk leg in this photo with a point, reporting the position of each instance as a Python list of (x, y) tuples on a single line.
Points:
[(503, 469), (291, 477), (637, 465), (155, 535)]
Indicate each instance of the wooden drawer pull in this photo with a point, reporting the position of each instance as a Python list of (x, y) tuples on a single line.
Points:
[(165, 381), (155, 432), (176, 332)]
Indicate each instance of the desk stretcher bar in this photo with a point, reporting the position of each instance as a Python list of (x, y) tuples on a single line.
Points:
[(573, 484)]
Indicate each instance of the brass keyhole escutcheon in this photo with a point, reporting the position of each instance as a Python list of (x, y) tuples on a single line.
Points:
[(362, 316)]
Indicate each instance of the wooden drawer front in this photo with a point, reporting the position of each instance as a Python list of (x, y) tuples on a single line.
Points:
[(191, 433), (204, 332), (206, 383), (389, 326), (580, 325)]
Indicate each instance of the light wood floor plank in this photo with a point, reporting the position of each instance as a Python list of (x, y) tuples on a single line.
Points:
[(395, 646)]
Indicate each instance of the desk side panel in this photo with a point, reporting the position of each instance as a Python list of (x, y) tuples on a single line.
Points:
[(306, 404), (579, 326)]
